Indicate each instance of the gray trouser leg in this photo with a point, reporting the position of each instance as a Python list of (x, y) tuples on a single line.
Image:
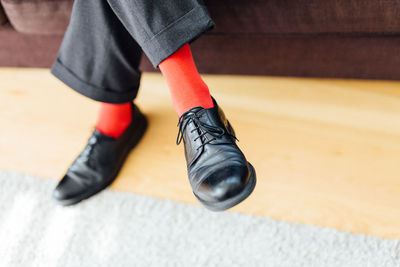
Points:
[(98, 57), (162, 26), (102, 47)]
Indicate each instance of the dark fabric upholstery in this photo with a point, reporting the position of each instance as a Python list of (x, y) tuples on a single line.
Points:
[(305, 16), (332, 38), (38, 16), (251, 16), (3, 18), (329, 55), (25, 50)]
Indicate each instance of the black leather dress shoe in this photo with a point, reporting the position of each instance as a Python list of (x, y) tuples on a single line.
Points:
[(99, 163), (219, 173)]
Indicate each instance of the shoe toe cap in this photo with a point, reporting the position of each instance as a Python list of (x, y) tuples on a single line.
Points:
[(224, 183), (66, 189)]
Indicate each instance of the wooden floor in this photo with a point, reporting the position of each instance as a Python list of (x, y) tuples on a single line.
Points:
[(326, 152)]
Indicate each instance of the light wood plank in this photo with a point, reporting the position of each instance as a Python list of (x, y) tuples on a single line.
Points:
[(326, 151)]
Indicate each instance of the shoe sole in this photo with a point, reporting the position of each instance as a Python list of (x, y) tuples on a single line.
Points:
[(231, 202), (95, 190)]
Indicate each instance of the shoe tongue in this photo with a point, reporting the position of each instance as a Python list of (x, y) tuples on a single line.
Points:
[(195, 109), (99, 135)]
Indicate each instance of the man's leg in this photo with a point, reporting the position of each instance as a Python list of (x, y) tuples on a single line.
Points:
[(163, 29), (218, 171), (180, 72), (99, 59)]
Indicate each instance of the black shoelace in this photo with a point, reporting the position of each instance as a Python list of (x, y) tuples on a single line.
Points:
[(201, 127), (90, 151)]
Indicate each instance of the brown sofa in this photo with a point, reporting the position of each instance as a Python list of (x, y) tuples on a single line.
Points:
[(318, 38)]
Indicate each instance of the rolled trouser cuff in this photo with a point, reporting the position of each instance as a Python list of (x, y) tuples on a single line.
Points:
[(184, 30), (95, 92)]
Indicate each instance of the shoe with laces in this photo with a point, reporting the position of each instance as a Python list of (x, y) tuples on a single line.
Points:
[(219, 173), (99, 163)]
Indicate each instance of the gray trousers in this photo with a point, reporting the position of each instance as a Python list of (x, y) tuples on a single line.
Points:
[(102, 47)]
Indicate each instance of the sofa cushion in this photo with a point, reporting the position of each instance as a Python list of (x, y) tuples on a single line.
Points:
[(236, 17), (27, 50), (38, 16), (302, 55), (305, 16), (3, 18)]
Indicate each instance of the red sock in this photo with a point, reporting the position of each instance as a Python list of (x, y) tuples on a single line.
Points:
[(187, 88), (113, 119)]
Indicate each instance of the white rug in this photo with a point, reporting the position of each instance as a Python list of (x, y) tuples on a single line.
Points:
[(122, 229)]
